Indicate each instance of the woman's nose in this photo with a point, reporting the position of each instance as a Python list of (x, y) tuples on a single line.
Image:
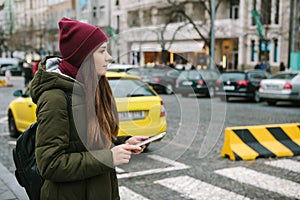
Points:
[(109, 58)]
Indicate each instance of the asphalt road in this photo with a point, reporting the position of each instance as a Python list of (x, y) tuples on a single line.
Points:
[(187, 164)]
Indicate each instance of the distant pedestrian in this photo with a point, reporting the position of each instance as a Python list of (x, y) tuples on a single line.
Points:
[(27, 69), (282, 67), (257, 66), (35, 65)]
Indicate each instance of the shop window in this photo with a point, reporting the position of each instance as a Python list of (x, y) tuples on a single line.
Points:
[(264, 50)]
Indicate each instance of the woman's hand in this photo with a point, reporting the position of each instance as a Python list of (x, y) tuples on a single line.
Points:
[(135, 140), (122, 153)]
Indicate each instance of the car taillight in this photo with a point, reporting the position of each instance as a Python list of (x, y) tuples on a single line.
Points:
[(219, 82), (242, 82), (156, 79), (200, 82), (162, 109), (287, 86), (260, 85), (177, 83)]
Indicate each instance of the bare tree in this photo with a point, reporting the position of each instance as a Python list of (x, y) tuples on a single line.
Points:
[(177, 7)]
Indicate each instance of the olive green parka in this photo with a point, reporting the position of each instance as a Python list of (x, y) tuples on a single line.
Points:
[(70, 171)]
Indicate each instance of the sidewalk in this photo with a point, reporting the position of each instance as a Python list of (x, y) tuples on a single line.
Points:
[(9, 187)]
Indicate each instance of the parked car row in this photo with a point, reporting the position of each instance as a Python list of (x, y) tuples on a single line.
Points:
[(255, 85)]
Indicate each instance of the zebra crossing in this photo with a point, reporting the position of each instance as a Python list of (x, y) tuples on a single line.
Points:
[(191, 188)]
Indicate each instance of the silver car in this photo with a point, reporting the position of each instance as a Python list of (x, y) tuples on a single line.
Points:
[(283, 86)]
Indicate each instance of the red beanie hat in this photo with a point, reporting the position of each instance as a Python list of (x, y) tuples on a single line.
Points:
[(78, 39)]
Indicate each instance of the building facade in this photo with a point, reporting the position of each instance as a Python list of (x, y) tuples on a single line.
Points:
[(150, 32), (238, 44)]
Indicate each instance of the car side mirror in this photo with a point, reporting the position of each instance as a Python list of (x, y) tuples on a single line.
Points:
[(18, 93)]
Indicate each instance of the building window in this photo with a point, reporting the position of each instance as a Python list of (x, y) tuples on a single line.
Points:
[(118, 24), (275, 58), (265, 11), (253, 50), (253, 8), (234, 9), (277, 12)]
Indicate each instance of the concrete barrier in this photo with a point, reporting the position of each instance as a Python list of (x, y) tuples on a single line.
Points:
[(251, 142)]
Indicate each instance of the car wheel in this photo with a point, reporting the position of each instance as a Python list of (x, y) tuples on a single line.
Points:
[(13, 132), (211, 92), (271, 103), (169, 89), (256, 97)]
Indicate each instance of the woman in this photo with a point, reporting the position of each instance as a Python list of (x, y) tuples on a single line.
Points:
[(73, 146)]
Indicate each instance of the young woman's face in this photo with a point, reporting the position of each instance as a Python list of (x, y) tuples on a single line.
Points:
[(101, 59)]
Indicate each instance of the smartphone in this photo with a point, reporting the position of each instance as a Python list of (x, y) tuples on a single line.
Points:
[(151, 139)]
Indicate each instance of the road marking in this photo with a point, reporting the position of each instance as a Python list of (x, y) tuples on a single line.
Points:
[(126, 193), (285, 164), (174, 166), (3, 120), (4, 134), (12, 142), (260, 180), (195, 189)]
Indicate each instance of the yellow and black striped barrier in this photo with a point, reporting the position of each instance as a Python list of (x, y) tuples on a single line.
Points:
[(251, 142)]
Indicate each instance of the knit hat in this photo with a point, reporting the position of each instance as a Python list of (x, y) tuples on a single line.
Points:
[(77, 40)]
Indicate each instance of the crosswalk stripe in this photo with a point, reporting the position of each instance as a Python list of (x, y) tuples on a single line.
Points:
[(192, 188), (174, 166), (285, 164), (126, 194), (264, 181), (3, 120)]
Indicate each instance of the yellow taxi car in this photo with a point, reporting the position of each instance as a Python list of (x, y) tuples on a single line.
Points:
[(141, 109)]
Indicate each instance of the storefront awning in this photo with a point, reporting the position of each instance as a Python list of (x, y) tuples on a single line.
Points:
[(177, 46)]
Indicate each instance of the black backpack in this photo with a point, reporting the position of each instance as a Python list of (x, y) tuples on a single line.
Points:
[(27, 173)]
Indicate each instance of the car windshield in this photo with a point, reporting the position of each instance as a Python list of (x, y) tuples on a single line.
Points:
[(286, 76), (233, 76), (129, 88)]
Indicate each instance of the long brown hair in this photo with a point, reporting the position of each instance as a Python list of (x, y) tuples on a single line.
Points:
[(102, 116)]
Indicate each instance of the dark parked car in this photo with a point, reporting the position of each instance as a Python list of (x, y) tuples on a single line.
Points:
[(240, 84), (15, 70), (197, 82), (162, 80), (12, 64)]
